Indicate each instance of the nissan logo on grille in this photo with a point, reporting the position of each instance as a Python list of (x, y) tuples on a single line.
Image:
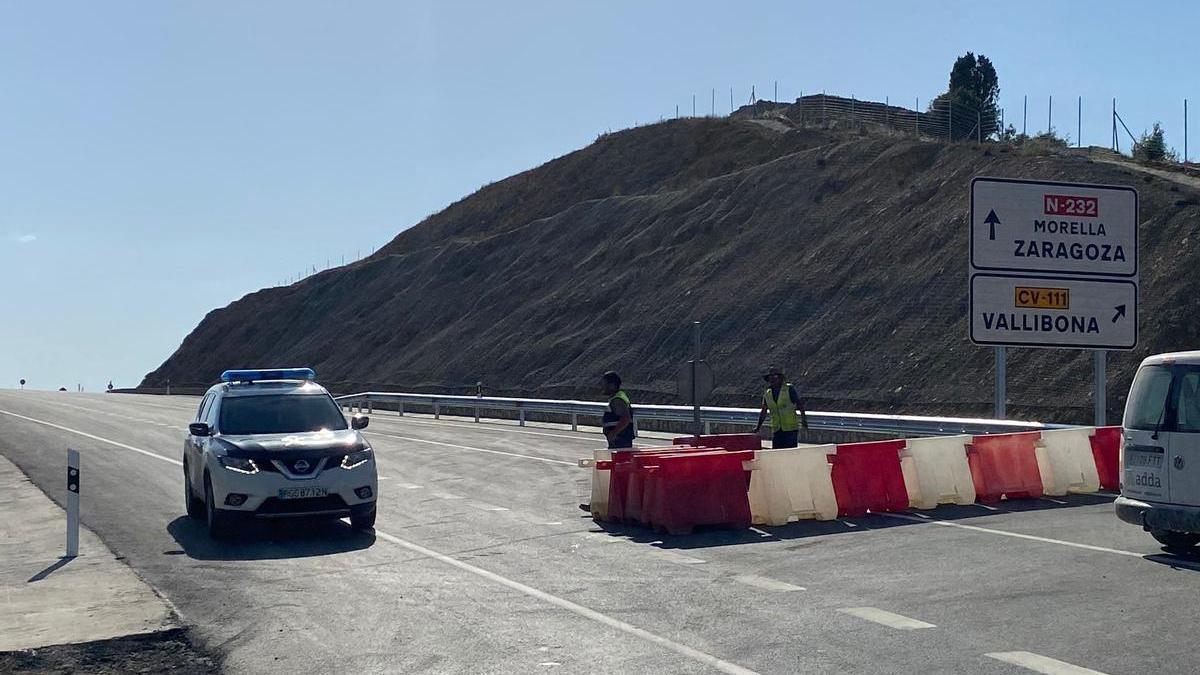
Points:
[(300, 466)]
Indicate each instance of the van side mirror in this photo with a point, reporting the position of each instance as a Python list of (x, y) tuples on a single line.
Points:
[(359, 422), (199, 429)]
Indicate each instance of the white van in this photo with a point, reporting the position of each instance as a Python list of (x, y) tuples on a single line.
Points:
[(1160, 450)]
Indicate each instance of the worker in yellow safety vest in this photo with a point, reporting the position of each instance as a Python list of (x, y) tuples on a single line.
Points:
[(781, 402), (618, 416)]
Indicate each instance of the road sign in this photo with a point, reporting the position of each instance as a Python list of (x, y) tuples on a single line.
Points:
[(1053, 264), (1051, 311), (1041, 227), (704, 381)]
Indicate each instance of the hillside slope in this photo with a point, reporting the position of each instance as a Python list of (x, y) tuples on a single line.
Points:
[(840, 255)]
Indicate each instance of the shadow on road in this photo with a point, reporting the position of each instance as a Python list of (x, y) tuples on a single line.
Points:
[(261, 540), (713, 537), (51, 569)]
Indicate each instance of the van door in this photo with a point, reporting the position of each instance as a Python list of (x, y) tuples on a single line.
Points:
[(1144, 475), (1183, 443)]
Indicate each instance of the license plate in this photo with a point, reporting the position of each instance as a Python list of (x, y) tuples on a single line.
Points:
[(303, 492), (1144, 467)]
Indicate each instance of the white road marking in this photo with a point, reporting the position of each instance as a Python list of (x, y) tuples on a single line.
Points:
[(1030, 537), (409, 486), (585, 612), (486, 507), (766, 583), (985, 506), (1041, 664), (886, 618), (467, 447), (1056, 501), (94, 438), (677, 558), (446, 495)]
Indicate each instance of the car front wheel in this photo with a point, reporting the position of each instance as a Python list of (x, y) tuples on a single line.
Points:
[(194, 508), (218, 523)]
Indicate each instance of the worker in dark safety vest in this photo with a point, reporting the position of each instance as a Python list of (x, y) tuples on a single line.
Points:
[(618, 416), (781, 402)]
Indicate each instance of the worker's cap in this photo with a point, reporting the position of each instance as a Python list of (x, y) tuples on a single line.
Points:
[(773, 370)]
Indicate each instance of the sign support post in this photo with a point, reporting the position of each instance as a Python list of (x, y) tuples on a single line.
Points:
[(72, 503), (696, 426), (1100, 396), (1001, 381)]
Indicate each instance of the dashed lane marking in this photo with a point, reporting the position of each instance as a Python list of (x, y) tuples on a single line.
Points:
[(885, 618), (766, 583), (93, 437), (1016, 535), (579, 610), (474, 449), (1042, 664), (486, 507)]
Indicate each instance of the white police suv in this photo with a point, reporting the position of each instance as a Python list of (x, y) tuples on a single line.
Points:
[(274, 444)]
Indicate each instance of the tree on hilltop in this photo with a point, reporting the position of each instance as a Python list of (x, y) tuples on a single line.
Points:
[(973, 95)]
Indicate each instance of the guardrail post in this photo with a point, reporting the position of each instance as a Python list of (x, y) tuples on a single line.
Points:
[(708, 428), (400, 408), (437, 412), (635, 426), (522, 413), (370, 406), (574, 421), (476, 414)]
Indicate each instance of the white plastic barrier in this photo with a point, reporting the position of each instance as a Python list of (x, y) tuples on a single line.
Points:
[(1064, 457), (599, 502), (792, 484), (936, 471)]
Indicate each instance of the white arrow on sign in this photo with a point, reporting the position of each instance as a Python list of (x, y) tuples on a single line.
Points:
[(1053, 312)]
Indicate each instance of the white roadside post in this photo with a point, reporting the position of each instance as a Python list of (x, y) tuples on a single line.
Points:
[(72, 503)]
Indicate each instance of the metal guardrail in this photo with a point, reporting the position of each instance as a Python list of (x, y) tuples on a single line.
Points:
[(906, 425)]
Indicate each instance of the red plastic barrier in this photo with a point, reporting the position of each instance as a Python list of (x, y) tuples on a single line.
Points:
[(723, 441), (867, 477), (683, 491), (1005, 465), (1106, 450), (625, 480)]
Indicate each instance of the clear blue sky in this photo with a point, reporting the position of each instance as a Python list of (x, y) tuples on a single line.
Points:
[(161, 159)]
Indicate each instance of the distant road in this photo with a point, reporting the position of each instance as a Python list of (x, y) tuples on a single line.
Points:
[(483, 562)]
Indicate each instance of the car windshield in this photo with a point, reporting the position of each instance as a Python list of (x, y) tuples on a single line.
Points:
[(282, 414)]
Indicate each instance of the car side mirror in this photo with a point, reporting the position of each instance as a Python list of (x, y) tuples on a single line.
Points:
[(359, 422), (199, 429)]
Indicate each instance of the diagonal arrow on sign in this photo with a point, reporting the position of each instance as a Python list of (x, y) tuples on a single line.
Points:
[(992, 221), (1120, 312)]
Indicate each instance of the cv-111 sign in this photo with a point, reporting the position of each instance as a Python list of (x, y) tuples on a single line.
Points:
[(1053, 264)]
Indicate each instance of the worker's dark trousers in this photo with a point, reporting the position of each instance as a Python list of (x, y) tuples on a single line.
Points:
[(785, 439)]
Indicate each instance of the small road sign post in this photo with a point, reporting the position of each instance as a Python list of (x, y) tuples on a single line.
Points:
[(695, 381), (1053, 265), (72, 503)]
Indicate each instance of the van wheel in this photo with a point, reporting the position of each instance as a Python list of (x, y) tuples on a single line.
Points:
[(1177, 541), (218, 523), (195, 508)]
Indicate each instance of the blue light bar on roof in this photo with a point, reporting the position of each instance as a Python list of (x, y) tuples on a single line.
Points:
[(268, 374)]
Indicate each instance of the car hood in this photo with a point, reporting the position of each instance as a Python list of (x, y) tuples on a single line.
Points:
[(286, 446)]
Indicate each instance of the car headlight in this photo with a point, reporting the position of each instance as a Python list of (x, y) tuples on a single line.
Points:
[(356, 458), (239, 464)]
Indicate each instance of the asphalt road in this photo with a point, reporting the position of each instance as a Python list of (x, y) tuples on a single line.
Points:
[(483, 562)]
